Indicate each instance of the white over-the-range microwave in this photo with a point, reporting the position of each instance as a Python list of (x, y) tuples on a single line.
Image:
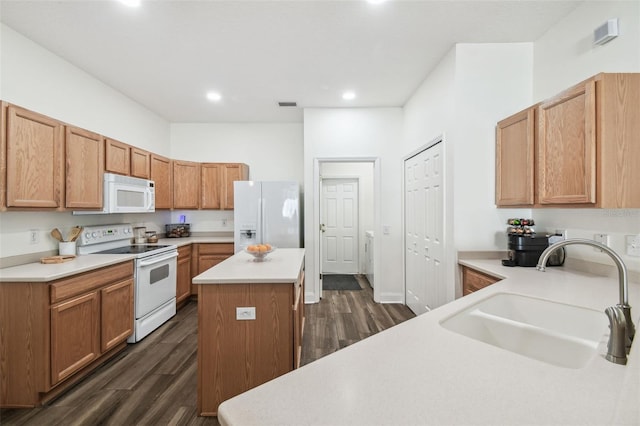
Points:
[(125, 194)]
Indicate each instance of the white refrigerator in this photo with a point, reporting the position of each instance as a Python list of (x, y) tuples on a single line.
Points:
[(266, 212)]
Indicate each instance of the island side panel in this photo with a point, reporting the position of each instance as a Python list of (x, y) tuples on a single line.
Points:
[(237, 355)]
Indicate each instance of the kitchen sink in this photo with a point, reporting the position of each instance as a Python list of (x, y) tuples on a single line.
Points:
[(555, 333)]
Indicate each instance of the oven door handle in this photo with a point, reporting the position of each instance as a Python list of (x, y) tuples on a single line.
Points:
[(155, 260)]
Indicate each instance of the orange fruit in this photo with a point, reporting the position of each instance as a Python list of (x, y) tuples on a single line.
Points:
[(252, 248), (268, 246), (262, 248)]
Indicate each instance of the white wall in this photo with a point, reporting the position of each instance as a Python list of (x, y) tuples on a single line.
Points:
[(364, 173), (473, 87), (34, 78), (358, 133), (564, 56), (273, 151)]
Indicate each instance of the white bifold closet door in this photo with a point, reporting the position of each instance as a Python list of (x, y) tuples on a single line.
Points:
[(424, 226)]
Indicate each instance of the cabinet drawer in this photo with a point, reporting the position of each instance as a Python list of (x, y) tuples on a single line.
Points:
[(82, 283), (215, 248), (473, 280)]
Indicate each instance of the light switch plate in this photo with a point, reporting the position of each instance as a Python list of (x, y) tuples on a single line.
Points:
[(246, 313)]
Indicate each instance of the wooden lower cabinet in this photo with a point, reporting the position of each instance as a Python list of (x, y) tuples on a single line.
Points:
[(206, 256), (237, 355), (473, 280), (75, 336), (54, 333), (116, 314), (183, 287)]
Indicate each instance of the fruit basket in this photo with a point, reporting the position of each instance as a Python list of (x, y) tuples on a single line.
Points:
[(259, 251)]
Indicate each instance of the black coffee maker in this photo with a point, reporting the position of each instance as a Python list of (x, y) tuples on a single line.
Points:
[(525, 246)]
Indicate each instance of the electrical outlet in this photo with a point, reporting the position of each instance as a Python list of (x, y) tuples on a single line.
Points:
[(246, 313), (34, 236), (602, 239), (633, 245)]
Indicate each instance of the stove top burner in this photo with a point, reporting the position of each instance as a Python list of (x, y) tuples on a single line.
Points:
[(136, 249)]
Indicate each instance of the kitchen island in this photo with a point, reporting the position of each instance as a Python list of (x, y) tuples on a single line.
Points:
[(418, 372), (250, 323)]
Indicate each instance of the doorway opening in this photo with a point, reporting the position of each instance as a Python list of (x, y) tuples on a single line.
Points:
[(346, 212)]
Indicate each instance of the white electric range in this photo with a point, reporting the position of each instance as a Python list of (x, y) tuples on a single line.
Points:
[(154, 273)]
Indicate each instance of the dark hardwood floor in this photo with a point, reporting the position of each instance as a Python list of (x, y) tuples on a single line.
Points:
[(154, 381)]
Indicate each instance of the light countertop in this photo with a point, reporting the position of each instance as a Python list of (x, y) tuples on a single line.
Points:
[(281, 266), (420, 373), (38, 272)]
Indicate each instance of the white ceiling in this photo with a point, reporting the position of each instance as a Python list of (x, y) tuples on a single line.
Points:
[(167, 54)]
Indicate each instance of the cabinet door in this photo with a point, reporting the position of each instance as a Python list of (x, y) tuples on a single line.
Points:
[(117, 157), (84, 153), (116, 315), (34, 165), (140, 163), (232, 173), (567, 147), (211, 185), (473, 280), (186, 184), (161, 171), (298, 320), (183, 289), (75, 340), (515, 138)]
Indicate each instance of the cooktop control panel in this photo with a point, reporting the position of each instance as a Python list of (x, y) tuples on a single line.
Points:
[(105, 233)]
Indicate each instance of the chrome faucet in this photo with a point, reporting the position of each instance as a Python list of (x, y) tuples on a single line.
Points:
[(622, 328)]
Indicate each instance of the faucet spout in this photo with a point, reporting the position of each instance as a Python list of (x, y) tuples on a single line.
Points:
[(623, 286)]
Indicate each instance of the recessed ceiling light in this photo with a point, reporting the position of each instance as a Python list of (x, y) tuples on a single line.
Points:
[(347, 96), (130, 3), (214, 96)]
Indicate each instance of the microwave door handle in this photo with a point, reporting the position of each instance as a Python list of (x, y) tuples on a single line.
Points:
[(149, 198), (155, 260)]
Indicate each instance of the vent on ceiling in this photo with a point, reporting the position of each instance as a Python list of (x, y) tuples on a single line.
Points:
[(287, 104)]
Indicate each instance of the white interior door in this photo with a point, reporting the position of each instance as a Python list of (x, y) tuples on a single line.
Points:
[(424, 227), (339, 224)]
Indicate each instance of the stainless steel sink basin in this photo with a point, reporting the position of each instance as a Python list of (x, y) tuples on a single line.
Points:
[(555, 333)]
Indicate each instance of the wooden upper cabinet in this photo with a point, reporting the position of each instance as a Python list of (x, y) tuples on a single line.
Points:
[(515, 151), (186, 184), (211, 185), (161, 171), (618, 140), (567, 147), (217, 184), (84, 153), (232, 173), (586, 148), (34, 167), (117, 157), (140, 163)]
